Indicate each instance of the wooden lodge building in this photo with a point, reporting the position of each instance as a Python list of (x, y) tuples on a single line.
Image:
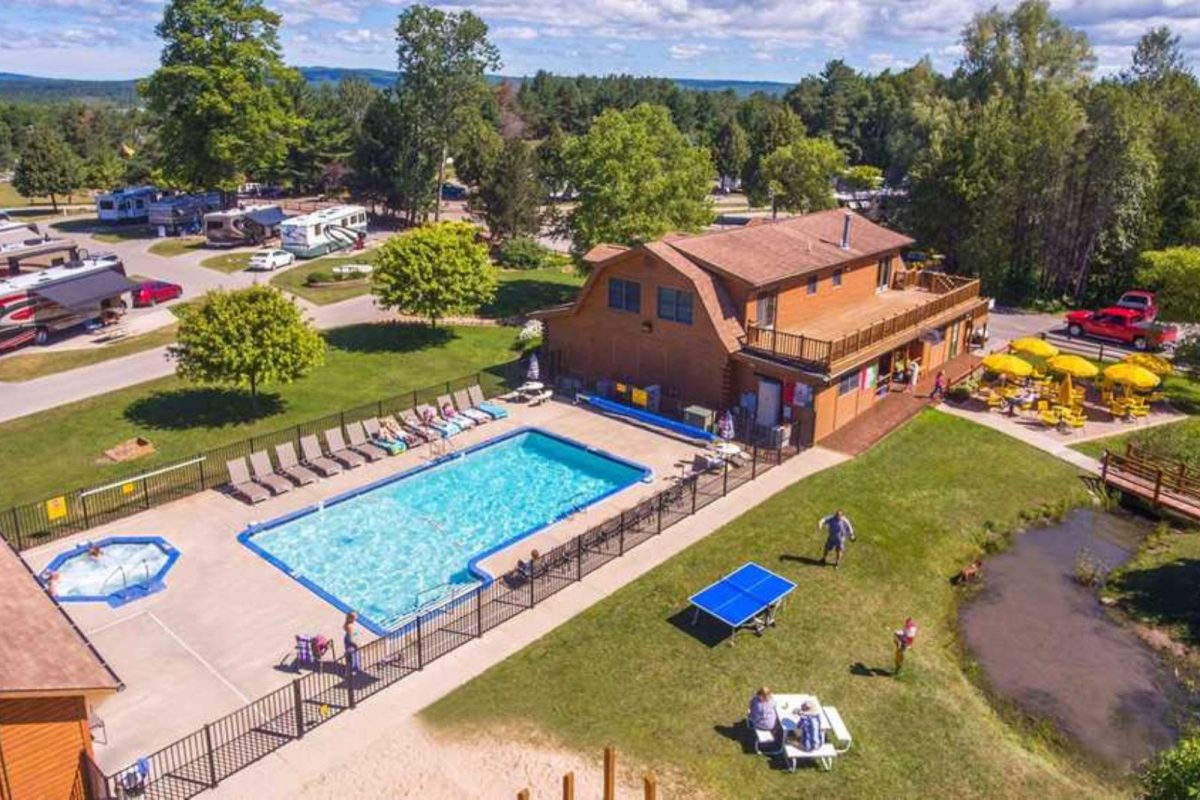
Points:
[(49, 678), (800, 323)]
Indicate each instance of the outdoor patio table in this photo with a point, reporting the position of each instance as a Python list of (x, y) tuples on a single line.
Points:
[(788, 706), (727, 449)]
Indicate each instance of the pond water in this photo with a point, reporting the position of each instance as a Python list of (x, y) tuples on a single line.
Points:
[(1046, 643)]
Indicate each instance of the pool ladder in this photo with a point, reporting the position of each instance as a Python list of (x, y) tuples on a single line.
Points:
[(125, 575)]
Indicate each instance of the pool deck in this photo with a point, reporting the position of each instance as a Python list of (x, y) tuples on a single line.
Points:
[(216, 636)]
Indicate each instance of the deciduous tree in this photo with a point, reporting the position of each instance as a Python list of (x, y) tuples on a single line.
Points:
[(1174, 274), (510, 194), (801, 174), (434, 271), (46, 167)]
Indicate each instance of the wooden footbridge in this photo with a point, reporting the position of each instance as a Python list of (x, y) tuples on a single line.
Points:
[(1164, 483)]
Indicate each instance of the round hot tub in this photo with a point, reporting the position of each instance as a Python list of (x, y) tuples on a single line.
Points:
[(116, 570)]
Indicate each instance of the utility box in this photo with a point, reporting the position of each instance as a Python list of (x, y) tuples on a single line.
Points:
[(700, 417)]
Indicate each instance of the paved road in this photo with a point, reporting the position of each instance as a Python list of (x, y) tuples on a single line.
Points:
[(1004, 325)]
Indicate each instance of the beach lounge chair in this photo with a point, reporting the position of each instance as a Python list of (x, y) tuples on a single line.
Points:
[(360, 445), (466, 408), (409, 420), (315, 458), (475, 395), (285, 454), (394, 446), (543, 396), (431, 418), (452, 414), (264, 474), (339, 452), (240, 483)]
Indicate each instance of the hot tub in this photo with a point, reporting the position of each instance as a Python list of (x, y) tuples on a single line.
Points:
[(116, 570)]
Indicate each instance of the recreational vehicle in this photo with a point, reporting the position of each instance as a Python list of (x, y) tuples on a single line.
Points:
[(238, 226), (37, 304), (131, 204), (182, 213), (324, 231), (25, 254)]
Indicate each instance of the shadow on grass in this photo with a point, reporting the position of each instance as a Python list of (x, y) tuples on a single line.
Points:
[(389, 337), (184, 409), (707, 630), (517, 297), (92, 225), (863, 671), (808, 560), (740, 733), (1168, 594)]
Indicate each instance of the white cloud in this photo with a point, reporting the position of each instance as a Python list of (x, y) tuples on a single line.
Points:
[(688, 51), (362, 40), (513, 32)]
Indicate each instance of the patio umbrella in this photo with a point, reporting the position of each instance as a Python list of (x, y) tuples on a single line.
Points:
[(1007, 365), (1073, 366), (725, 425), (1065, 391), (1156, 364), (1132, 376), (1034, 347), (532, 372)]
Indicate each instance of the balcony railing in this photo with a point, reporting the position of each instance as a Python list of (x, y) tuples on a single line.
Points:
[(948, 290)]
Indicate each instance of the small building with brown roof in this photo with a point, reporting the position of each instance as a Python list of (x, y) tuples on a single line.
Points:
[(801, 324), (49, 677)]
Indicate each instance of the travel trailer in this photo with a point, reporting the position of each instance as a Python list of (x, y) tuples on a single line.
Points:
[(182, 213), (23, 249), (252, 225), (37, 304), (131, 204), (324, 231)]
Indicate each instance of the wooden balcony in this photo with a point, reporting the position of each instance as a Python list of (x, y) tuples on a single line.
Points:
[(916, 299)]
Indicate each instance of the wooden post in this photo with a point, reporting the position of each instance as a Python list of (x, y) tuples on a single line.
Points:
[(650, 787), (523, 794), (569, 786), (610, 774), (1158, 476)]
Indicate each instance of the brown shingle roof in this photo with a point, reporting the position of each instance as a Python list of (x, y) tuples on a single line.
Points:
[(603, 252), (765, 254), (44, 652)]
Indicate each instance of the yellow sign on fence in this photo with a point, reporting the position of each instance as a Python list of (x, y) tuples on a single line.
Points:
[(127, 488), (56, 508)]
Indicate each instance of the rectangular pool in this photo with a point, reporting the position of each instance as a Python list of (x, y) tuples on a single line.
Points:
[(386, 549)]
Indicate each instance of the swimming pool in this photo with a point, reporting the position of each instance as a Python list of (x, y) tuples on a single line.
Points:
[(115, 570), (399, 544)]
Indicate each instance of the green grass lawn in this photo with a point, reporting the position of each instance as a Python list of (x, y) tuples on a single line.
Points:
[(364, 363), (103, 232), (630, 672), (177, 246), (228, 262), (292, 279), (524, 290), (28, 365), (1160, 586), (1178, 440), (9, 198)]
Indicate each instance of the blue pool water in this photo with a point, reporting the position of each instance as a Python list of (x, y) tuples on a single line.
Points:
[(413, 538)]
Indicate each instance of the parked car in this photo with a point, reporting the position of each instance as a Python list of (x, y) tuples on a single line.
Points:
[(270, 259), (1123, 325), (151, 293), (1140, 300)]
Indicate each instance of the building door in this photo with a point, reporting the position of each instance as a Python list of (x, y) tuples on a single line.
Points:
[(770, 400)]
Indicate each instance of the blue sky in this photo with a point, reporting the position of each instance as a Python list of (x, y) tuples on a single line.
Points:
[(734, 39)]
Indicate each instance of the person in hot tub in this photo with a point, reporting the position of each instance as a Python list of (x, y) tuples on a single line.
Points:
[(94, 552)]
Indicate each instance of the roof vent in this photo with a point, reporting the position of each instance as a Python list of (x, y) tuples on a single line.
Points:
[(845, 245)]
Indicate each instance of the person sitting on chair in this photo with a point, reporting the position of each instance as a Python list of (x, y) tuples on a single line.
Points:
[(764, 716)]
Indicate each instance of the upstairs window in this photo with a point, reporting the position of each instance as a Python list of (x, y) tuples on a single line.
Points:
[(837, 277), (624, 295), (764, 310), (675, 305), (811, 287)]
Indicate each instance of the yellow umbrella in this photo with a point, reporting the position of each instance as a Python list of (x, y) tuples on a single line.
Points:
[(1006, 364), (1133, 376), (1034, 347), (1073, 366), (1156, 364)]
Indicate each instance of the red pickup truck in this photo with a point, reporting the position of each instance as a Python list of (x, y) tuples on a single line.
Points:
[(1140, 300), (1124, 325)]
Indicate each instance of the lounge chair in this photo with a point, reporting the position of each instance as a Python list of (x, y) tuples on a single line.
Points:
[(240, 483), (393, 446), (265, 475), (410, 422), (288, 465), (339, 452), (360, 445), (543, 396), (315, 458), (452, 414), (431, 418), (475, 394), (467, 409)]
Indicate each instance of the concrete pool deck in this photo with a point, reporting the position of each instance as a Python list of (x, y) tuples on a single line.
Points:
[(215, 638)]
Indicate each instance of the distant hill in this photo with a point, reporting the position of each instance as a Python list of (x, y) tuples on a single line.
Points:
[(29, 88)]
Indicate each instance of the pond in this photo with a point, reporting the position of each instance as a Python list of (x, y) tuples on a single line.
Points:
[(1045, 642)]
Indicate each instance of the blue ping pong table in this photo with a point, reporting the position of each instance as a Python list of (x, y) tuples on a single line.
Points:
[(746, 597)]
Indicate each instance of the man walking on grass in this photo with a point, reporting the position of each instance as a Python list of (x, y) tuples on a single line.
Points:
[(840, 529)]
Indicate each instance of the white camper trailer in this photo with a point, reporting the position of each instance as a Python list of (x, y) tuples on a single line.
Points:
[(37, 304), (131, 204), (324, 231), (238, 226)]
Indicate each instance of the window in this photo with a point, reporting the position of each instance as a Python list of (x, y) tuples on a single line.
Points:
[(624, 295), (883, 274), (675, 305), (812, 284), (848, 384), (837, 277), (764, 310)]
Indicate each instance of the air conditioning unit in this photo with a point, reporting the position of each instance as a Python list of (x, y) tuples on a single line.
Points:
[(700, 417)]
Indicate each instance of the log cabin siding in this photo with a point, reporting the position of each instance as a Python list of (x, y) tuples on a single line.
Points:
[(42, 739)]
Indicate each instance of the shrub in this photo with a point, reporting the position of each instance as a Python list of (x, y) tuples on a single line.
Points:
[(320, 276), (1175, 773), (523, 253), (1187, 356)]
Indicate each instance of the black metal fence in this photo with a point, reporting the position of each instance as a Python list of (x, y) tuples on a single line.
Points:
[(202, 759), (32, 524)]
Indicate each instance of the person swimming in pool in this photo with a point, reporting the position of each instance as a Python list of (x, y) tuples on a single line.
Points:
[(52, 582), (94, 552)]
